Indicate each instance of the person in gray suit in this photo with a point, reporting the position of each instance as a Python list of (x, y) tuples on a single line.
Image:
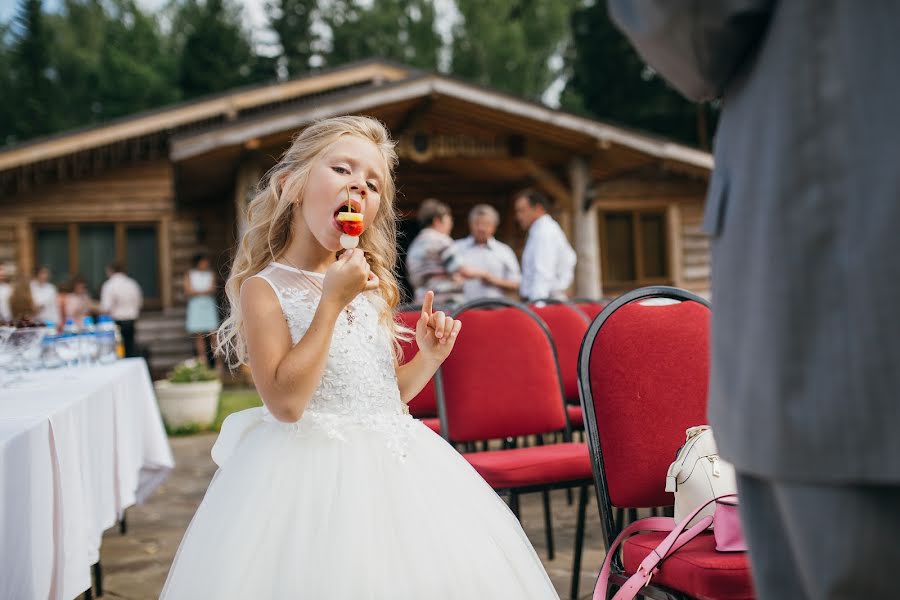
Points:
[(804, 214)]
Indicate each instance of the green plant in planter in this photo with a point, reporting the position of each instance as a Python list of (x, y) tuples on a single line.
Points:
[(191, 371)]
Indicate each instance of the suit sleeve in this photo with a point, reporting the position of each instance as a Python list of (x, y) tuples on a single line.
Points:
[(695, 45)]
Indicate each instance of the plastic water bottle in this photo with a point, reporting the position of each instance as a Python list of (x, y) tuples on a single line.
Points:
[(67, 343), (88, 338), (106, 339)]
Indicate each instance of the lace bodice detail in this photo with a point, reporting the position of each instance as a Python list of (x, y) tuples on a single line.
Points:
[(359, 384)]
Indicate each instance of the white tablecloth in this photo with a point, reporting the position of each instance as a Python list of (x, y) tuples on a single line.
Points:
[(76, 449)]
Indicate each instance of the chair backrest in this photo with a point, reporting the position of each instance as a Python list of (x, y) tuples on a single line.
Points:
[(502, 379), (591, 308), (568, 327), (643, 373), (424, 405)]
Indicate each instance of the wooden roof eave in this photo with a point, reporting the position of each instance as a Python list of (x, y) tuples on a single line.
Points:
[(168, 119), (605, 136)]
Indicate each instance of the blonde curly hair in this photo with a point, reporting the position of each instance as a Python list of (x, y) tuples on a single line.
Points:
[(269, 217)]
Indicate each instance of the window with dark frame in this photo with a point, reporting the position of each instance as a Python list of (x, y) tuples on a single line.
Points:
[(86, 249), (634, 248)]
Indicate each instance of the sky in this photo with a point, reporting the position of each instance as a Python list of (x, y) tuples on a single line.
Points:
[(255, 15)]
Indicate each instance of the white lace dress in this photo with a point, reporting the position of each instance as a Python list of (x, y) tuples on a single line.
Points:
[(356, 500)]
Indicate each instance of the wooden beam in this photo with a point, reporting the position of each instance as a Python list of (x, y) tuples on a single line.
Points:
[(187, 146), (588, 281), (413, 118), (675, 249), (26, 248), (548, 182), (165, 260)]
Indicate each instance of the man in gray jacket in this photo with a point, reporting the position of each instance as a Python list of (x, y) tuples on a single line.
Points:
[(804, 213)]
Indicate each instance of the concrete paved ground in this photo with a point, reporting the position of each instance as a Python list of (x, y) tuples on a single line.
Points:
[(135, 564)]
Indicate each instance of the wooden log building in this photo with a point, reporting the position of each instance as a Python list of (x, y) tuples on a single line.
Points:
[(153, 189)]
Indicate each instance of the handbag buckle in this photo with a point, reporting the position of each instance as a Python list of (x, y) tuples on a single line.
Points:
[(643, 571)]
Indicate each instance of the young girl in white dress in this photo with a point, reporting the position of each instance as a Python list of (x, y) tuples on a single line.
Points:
[(331, 491)]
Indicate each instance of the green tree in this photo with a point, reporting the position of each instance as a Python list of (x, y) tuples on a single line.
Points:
[(292, 20), (6, 83), (137, 64), (508, 44), (30, 106), (610, 81), (112, 60), (401, 30), (215, 53)]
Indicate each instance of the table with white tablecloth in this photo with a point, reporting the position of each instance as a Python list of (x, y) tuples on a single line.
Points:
[(77, 447)]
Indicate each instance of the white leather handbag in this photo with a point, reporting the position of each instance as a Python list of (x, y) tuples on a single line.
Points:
[(698, 475)]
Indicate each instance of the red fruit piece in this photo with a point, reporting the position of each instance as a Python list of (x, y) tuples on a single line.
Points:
[(351, 227), (350, 223)]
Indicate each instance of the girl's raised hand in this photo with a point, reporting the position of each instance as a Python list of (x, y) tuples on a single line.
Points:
[(436, 332)]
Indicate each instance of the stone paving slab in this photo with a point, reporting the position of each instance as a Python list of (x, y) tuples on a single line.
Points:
[(135, 564)]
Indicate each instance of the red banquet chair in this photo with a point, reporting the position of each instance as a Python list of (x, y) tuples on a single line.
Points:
[(424, 405), (567, 326), (643, 372), (502, 381), (589, 307)]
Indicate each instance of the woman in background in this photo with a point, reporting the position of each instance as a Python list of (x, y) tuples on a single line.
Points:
[(202, 313)]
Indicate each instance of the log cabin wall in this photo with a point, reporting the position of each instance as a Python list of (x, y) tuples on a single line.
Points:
[(670, 202), (118, 214)]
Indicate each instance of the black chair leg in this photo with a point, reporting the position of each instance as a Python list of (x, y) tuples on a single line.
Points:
[(620, 519), (98, 579), (632, 515), (548, 524), (123, 524), (579, 541), (514, 504)]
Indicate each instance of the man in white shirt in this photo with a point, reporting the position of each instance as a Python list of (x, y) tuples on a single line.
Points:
[(121, 298), (548, 262), (490, 267), (45, 297)]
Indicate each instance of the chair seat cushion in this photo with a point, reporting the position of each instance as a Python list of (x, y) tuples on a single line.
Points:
[(576, 416), (537, 465), (696, 569), (432, 423)]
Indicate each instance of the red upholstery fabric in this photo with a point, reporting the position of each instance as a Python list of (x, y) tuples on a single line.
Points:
[(576, 416), (433, 424), (591, 309), (537, 465), (567, 327), (501, 379), (424, 405), (648, 375), (695, 569)]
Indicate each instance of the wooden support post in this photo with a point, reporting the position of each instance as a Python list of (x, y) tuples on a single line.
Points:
[(587, 243), (248, 176), (165, 261), (26, 248)]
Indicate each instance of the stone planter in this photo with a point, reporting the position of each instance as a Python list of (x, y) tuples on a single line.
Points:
[(183, 404)]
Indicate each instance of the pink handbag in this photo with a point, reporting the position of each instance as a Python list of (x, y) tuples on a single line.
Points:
[(732, 540), (727, 526)]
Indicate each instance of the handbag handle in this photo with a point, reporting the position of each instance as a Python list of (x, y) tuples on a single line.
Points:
[(677, 538)]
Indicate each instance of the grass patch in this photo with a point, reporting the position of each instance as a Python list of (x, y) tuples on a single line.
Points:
[(230, 401), (234, 400)]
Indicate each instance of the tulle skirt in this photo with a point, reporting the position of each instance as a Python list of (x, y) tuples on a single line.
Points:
[(305, 513)]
